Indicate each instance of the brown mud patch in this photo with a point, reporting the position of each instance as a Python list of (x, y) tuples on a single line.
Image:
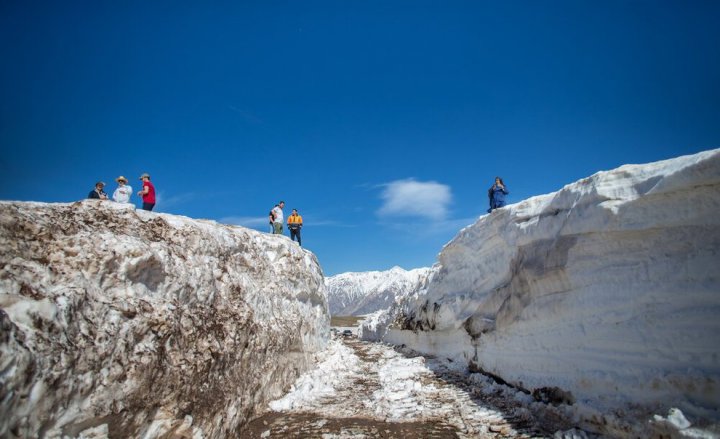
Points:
[(308, 425)]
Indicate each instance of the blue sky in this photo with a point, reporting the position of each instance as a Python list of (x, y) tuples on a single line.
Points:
[(383, 122)]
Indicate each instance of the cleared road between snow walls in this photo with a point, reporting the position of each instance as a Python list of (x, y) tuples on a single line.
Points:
[(608, 289), (141, 324)]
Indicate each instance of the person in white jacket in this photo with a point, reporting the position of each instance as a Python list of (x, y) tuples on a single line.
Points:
[(123, 191)]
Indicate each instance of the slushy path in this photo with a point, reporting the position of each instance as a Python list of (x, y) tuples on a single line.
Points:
[(369, 390)]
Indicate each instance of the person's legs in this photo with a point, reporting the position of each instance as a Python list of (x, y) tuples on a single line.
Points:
[(278, 228), (295, 233), (148, 206)]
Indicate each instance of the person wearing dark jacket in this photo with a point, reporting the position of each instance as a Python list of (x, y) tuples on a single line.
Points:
[(271, 218), (497, 193), (98, 193)]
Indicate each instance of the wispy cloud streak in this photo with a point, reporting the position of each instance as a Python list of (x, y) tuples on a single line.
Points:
[(246, 115), (175, 200), (245, 221), (262, 222)]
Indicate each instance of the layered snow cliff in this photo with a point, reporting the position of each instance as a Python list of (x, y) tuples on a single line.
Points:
[(608, 290), (136, 324), (354, 294)]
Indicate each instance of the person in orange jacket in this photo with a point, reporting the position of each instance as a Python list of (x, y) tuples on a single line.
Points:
[(295, 223)]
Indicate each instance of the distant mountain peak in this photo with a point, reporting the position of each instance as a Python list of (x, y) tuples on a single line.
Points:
[(359, 293)]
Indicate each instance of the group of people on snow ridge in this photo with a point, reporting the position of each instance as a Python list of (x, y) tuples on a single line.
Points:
[(496, 194), (124, 191), (294, 222), (122, 194)]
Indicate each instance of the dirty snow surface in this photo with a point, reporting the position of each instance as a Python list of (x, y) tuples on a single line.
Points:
[(370, 390), (127, 323)]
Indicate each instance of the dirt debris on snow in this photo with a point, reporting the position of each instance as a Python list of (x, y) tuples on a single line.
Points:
[(371, 390), (145, 324)]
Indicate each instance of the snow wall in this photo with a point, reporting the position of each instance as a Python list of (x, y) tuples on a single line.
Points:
[(608, 289), (137, 324)]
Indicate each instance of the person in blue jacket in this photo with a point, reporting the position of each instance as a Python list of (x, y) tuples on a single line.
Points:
[(497, 193)]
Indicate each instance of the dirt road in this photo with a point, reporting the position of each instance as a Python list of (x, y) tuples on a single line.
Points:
[(370, 390)]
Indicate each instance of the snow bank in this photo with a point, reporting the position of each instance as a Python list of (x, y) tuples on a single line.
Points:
[(608, 289), (360, 293), (138, 324), (334, 367)]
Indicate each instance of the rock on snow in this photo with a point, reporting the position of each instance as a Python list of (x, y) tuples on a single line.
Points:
[(143, 324), (608, 289)]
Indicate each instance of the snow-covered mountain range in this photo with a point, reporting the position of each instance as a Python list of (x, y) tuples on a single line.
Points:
[(605, 293), (116, 322), (360, 293)]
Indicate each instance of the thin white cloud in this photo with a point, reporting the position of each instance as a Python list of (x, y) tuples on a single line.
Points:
[(448, 227), (175, 200), (246, 115), (245, 221), (409, 197), (327, 223), (262, 222)]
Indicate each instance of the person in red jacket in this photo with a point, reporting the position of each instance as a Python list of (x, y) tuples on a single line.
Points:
[(147, 193)]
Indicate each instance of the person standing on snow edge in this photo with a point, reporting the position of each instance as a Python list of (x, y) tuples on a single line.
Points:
[(271, 218), (278, 218), (295, 224), (497, 193), (123, 191), (147, 193), (98, 193)]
